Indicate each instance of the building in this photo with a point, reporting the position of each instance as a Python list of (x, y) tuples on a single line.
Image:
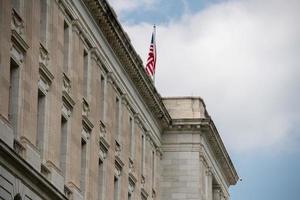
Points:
[(80, 119)]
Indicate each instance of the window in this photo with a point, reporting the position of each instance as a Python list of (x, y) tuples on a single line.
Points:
[(41, 110), (43, 21), (102, 99), (132, 141), (143, 154), (101, 180), (83, 164), (63, 143), (117, 117), (129, 196), (153, 169), (66, 45), (116, 188), (85, 74), (13, 94)]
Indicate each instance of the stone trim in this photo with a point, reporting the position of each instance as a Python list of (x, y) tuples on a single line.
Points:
[(219, 150), (118, 166), (17, 23), (11, 161), (103, 147), (144, 194)]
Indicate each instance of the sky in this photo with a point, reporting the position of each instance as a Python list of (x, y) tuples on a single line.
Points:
[(243, 58)]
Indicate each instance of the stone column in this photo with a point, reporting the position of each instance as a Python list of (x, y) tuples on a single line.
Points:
[(217, 192), (209, 191), (203, 176)]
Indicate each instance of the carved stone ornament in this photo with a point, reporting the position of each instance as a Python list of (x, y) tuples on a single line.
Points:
[(43, 56), (118, 166), (103, 148), (144, 194), (17, 24), (117, 148), (131, 183), (131, 165), (102, 129), (66, 84), (153, 194), (85, 107)]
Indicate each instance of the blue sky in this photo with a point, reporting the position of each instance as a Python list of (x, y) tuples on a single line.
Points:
[(242, 57)]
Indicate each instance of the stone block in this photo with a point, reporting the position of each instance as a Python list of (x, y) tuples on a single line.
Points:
[(6, 134)]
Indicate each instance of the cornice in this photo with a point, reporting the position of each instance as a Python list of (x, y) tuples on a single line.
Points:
[(206, 126), (210, 131), (130, 60), (19, 167)]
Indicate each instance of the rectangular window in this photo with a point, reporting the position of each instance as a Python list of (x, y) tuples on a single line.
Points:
[(116, 188), (41, 111), (102, 99), (63, 143), (101, 178), (43, 21), (13, 94), (85, 74), (132, 142), (117, 118), (153, 169), (129, 196), (83, 165), (66, 45), (143, 154)]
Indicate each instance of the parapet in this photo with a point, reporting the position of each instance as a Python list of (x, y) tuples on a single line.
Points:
[(185, 107)]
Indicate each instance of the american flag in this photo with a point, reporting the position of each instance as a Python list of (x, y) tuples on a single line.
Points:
[(151, 61)]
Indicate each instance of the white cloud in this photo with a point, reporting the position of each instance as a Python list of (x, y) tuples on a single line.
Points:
[(242, 57), (123, 6)]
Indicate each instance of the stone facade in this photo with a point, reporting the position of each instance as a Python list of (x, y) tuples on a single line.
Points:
[(80, 119)]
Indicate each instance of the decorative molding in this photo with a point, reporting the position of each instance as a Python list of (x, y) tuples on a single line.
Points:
[(66, 83), (43, 56), (102, 128), (76, 26), (143, 179), (13, 163), (132, 181), (46, 77), (68, 192), (209, 172), (153, 193), (118, 166), (85, 107), (87, 124), (103, 146), (144, 194), (17, 23), (19, 148), (117, 148), (68, 104), (45, 74), (131, 165), (219, 150)]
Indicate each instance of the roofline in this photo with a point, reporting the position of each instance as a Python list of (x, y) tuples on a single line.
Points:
[(117, 38)]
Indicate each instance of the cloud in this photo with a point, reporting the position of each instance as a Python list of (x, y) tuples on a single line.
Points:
[(124, 6), (242, 57)]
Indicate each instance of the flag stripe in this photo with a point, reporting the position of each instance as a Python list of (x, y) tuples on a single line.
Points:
[(151, 60)]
